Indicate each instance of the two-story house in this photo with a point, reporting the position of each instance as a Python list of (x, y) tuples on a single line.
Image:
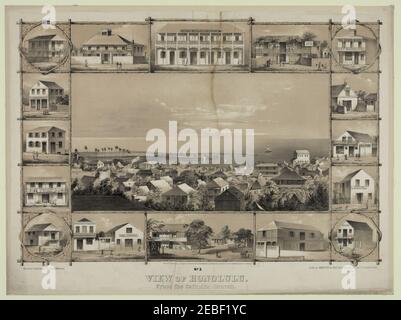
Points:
[(199, 44), (84, 235), (231, 199), (48, 140), (126, 236), (354, 235), (351, 49), (44, 96), (46, 192), (353, 144), (42, 235), (289, 179), (175, 197), (268, 169), (289, 236), (343, 98), (169, 236), (108, 45), (46, 48), (301, 157), (357, 188)]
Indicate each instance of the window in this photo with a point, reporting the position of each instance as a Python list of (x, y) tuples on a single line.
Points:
[(53, 134), (357, 182), (183, 54), (370, 196), (340, 44), (37, 135), (40, 184), (30, 144), (162, 54), (312, 235), (58, 184), (30, 196), (91, 229), (128, 230), (118, 241), (236, 54), (60, 144), (348, 56), (51, 185), (59, 196), (77, 229), (292, 234), (60, 134), (203, 55), (30, 135), (349, 230), (89, 241), (84, 229), (139, 241), (367, 182), (263, 233), (37, 144)]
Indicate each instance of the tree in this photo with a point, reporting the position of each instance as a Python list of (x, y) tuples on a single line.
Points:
[(244, 236), (198, 233), (307, 36), (153, 225), (225, 232)]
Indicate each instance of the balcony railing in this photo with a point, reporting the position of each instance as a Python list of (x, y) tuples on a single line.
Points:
[(351, 49), (45, 189)]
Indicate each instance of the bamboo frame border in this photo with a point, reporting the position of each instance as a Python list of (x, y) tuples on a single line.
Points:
[(149, 22)]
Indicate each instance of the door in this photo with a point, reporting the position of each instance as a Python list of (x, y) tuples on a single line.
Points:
[(172, 57), (80, 244), (302, 235), (347, 104), (44, 147), (351, 151), (45, 198), (359, 198), (228, 57), (193, 57), (52, 147), (356, 58), (106, 58), (213, 58), (129, 243), (302, 246)]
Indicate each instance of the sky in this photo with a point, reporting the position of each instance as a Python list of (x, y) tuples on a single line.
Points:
[(126, 106)]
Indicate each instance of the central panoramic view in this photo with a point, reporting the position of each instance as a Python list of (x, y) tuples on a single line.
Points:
[(275, 117)]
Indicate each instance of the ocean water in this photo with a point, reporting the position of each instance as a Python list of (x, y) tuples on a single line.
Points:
[(282, 149)]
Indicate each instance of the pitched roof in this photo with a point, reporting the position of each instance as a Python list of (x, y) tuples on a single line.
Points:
[(47, 37), (85, 220), (41, 227), (45, 179), (114, 229), (359, 136), (287, 174), (49, 84), (351, 175), (175, 191), (220, 182), (199, 27), (359, 225), (287, 225), (101, 39), (45, 129), (161, 185), (174, 227), (256, 185), (232, 192), (186, 188), (336, 89)]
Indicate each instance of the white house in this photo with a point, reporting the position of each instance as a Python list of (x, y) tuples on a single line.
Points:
[(45, 192), (301, 157), (84, 235), (199, 44), (344, 99), (357, 188), (352, 144), (44, 96), (125, 236), (351, 49), (43, 235), (354, 235), (49, 140)]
